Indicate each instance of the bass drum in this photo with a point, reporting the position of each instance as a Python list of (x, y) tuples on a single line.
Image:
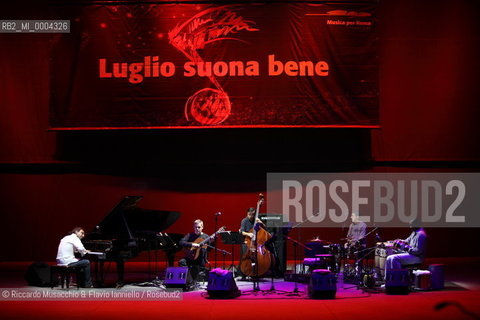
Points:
[(315, 247)]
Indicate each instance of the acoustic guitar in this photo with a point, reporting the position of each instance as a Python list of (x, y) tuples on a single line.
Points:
[(194, 252)]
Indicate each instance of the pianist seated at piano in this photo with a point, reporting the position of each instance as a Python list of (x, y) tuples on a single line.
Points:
[(412, 249), (69, 245), (195, 255)]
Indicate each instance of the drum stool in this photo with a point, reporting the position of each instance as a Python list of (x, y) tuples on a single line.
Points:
[(422, 280), (310, 264), (321, 261), (65, 273), (411, 268)]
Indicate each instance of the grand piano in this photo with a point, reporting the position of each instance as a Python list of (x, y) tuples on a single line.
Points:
[(127, 231)]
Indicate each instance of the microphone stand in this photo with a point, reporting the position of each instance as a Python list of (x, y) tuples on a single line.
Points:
[(223, 252), (359, 281), (295, 292), (216, 249), (360, 257), (215, 241), (255, 277), (272, 268)]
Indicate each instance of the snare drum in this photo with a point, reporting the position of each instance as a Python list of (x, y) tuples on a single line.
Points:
[(334, 249), (314, 248)]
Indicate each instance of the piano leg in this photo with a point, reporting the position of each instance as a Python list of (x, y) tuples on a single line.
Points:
[(170, 258), (120, 273), (99, 275)]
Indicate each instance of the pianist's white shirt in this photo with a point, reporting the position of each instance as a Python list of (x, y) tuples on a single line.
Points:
[(67, 247)]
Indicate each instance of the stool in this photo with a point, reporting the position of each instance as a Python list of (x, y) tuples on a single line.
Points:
[(412, 267), (320, 261), (422, 279), (65, 273), (326, 260)]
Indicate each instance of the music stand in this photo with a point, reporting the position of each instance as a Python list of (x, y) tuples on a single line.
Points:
[(232, 238)]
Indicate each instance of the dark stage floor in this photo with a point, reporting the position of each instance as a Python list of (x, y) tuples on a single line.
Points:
[(462, 290)]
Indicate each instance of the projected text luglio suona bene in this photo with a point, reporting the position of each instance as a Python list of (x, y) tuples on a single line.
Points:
[(152, 67)]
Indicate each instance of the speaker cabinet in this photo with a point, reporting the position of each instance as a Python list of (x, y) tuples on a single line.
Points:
[(322, 285), (38, 274), (397, 281), (178, 277), (437, 277), (221, 285)]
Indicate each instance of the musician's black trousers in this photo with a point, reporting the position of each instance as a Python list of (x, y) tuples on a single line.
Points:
[(83, 276)]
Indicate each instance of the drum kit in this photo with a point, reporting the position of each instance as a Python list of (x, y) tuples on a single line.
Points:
[(351, 258)]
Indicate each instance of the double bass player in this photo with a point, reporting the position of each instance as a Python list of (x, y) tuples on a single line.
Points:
[(256, 259)]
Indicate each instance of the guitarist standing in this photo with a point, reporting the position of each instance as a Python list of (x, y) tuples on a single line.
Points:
[(196, 256)]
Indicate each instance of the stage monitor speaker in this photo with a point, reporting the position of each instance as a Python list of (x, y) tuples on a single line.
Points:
[(178, 277), (397, 281), (221, 285), (38, 274), (322, 284), (437, 276)]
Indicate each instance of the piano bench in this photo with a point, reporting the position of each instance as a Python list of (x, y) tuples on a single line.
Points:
[(65, 273)]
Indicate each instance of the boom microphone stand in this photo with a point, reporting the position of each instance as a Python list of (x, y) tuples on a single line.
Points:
[(296, 243), (215, 241), (256, 278)]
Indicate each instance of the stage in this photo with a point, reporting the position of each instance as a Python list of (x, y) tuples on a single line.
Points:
[(462, 289), (130, 120)]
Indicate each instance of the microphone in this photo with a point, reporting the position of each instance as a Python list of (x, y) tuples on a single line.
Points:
[(218, 213)]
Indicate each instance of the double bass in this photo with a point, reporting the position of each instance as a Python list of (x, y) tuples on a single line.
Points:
[(257, 259)]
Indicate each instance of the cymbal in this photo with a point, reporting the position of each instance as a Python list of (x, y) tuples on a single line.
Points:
[(319, 240)]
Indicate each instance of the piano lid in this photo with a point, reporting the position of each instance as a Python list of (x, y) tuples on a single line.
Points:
[(126, 220)]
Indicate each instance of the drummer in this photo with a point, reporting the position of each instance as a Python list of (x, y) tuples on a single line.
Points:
[(356, 241), (356, 232)]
